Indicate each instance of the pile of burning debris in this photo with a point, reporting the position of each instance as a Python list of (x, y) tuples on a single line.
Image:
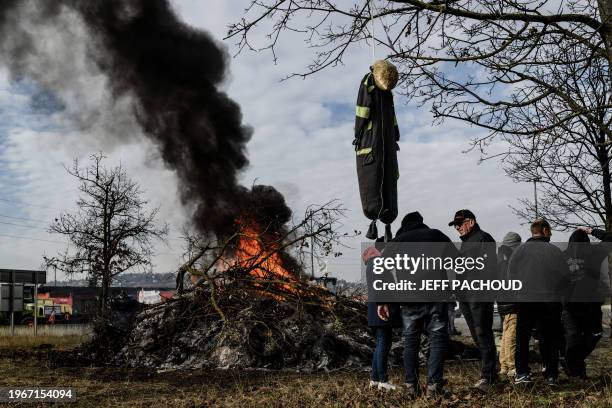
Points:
[(236, 326), (232, 326), (249, 306)]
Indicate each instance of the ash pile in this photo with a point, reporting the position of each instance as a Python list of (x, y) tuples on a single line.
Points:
[(236, 325)]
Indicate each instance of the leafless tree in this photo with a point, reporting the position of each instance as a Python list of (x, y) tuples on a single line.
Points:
[(111, 232), (571, 161), (518, 68)]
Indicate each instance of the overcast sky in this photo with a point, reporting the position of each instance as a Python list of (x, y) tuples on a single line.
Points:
[(301, 145)]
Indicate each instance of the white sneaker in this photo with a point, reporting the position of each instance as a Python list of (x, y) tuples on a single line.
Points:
[(374, 383), (386, 386)]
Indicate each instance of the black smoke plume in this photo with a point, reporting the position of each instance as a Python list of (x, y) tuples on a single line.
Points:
[(172, 73)]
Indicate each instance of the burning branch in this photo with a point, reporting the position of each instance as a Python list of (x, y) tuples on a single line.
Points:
[(268, 258)]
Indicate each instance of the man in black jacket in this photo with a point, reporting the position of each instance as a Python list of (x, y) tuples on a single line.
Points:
[(478, 315), (429, 316), (542, 269), (582, 316)]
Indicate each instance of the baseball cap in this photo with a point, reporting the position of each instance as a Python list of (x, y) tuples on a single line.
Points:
[(461, 216)]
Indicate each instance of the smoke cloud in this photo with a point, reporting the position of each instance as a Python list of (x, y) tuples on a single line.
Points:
[(123, 68)]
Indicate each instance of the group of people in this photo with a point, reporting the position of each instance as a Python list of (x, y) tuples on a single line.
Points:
[(568, 329)]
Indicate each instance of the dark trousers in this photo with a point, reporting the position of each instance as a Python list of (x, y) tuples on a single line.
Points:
[(432, 318), (583, 329), (479, 318), (451, 318), (380, 357), (546, 318)]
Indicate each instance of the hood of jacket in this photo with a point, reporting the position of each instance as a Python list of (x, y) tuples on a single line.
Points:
[(578, 245), (579, 236), (410, 227), (512, 240)]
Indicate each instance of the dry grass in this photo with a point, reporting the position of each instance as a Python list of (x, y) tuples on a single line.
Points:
[(114, 387), (55, 335)]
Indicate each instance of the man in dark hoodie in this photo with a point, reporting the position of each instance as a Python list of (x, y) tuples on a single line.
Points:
[(417, 317), (581, 315), (478, 315), (543, 271)]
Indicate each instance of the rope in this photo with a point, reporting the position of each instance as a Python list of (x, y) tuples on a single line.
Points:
[(372, 30)]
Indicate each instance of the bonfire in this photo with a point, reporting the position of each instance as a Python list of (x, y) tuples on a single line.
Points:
[(250, 306)]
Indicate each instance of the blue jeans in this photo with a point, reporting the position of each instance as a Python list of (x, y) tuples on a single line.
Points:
[(433, 318), (381, 353)]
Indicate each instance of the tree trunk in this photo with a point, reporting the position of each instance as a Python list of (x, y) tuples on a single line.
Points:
[(605, 12), (609, 229), (605, 167), (610, 283), (104, 294), (92, 280)]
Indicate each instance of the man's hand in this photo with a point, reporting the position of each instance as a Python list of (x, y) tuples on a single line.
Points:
[(369, 253), (383, 312)]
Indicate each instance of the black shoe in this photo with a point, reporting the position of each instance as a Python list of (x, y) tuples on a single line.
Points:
[(372, 231), (483, 385), (580, 375), (551, 381), (524, 379), (434, 390), (411, 390), (564, 366)]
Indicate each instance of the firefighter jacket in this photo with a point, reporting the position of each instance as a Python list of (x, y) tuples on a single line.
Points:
[(376, 136)]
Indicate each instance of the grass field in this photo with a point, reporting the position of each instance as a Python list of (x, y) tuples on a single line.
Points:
[(120, 387), (54, 335)]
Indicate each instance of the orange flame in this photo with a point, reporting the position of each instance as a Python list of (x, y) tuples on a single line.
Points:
[(258, 252)]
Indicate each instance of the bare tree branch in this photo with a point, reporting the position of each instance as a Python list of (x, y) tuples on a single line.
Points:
[(111, 232)]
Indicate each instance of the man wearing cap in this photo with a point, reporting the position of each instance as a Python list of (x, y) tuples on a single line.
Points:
[(478, 315)]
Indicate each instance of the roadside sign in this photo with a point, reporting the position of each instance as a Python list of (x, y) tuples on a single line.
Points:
[(10, 292), (22, 276)]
